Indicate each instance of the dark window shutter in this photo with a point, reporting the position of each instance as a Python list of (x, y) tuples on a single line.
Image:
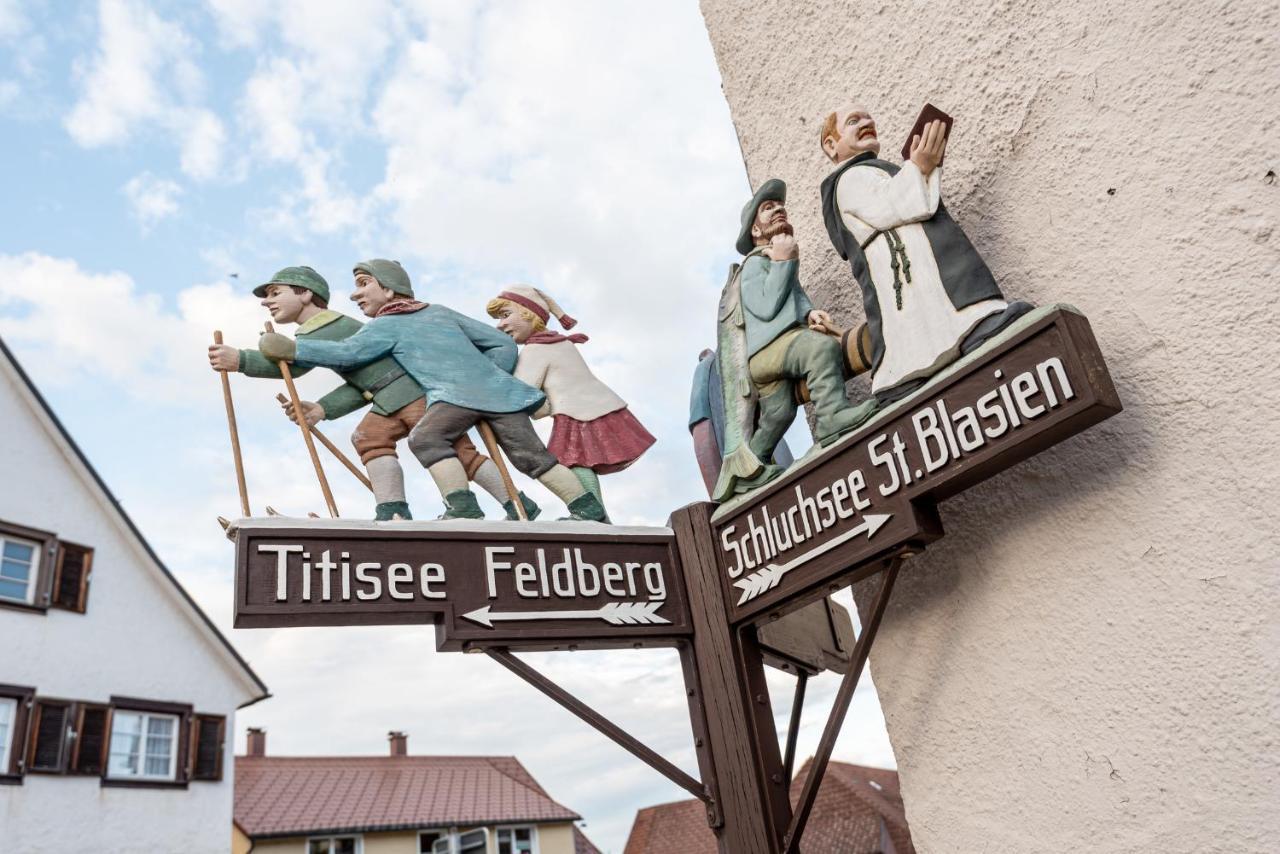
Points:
[(71, 580), (209, 732), (48, 736), (92, 728)]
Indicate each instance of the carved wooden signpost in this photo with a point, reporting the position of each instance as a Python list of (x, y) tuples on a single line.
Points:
[(712, 585)]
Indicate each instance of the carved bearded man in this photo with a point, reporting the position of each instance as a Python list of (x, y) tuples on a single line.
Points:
[(929, 297)]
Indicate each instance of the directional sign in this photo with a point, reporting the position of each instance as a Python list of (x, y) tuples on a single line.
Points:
[(832, 519), (534, 585)]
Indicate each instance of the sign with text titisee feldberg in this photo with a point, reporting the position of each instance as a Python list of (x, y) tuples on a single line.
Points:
[(511, 585)]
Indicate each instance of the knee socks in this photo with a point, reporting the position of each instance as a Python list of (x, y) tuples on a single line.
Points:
[(563, 483), (387, 478)]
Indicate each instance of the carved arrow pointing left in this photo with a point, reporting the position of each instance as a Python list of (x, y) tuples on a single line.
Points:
[(615, 613)]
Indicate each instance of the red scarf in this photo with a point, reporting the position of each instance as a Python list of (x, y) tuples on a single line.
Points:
[(401, 306), (548, 337)]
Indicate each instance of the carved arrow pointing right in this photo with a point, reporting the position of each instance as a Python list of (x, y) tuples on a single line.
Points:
[(767, 578)]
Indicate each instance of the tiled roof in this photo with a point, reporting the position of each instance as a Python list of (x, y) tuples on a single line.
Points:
[(583, 845), (287, 795), (845, 820)]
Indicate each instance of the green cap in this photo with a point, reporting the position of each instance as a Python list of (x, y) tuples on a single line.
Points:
[(773, 190), (298, 277), (388, 273)]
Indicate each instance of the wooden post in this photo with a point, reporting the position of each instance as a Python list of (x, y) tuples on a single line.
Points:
[(235, 434), (306, 432), (333, 449), (742, 764), (491, 444)]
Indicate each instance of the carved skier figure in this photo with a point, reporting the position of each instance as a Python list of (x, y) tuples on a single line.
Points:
[(928, 295), (464, 369), (301, 295), (594, 432), (770, 337)]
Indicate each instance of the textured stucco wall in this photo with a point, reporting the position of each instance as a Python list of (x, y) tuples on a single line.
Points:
[(1088, 660)]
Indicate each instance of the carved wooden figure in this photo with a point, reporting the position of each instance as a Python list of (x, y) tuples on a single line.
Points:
[(594, 431), (929, 297), (463, 368), (770, 337)]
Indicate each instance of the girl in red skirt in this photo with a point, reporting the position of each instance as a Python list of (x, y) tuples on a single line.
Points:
[(594, 433)]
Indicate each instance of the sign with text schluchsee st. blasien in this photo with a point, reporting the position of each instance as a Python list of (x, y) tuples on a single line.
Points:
[(513, 585), (828, 521)]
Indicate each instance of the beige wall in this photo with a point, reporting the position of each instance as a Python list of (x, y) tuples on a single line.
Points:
[(1087, 661), (552, 839)]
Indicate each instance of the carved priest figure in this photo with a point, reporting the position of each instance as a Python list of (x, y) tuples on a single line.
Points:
[(928, 296), (770, 337), (301, 295), (463, 367)]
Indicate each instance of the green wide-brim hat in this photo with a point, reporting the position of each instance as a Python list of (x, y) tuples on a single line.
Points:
[(298, 277), (773, 190), (388, 273)]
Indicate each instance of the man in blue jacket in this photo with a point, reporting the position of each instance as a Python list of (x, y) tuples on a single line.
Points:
[(464, 368)]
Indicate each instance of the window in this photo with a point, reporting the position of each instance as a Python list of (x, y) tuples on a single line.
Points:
[(473, 842), (89, 751), (15, 708), (8, 722), (516, 840), (428, 838), (208, 742), (19, 568), (71, 577), (334, 845), (50, 721), (144, 746)]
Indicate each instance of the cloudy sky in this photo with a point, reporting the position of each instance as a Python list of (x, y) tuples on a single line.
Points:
[(160, 159)]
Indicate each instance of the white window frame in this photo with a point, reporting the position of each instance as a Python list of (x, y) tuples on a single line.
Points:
[(454, 837), (6, 747), (37, 553), (533, 834), (147, 717), (358, 837)]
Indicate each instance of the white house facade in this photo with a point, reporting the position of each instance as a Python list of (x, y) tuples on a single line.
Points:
[(117, 694)]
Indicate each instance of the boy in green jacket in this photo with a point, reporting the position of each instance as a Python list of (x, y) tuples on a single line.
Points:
[(301, 295)]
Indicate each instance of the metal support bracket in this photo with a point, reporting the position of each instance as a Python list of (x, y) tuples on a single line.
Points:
[(818, 769), (600, 722)]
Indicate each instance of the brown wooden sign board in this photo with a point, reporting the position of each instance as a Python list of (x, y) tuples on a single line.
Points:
[(519, 586), (827, 522)]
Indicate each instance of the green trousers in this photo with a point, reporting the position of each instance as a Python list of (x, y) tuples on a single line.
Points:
[(797, 354)]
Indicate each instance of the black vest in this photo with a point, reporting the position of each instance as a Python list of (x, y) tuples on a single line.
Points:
[(964, 275)]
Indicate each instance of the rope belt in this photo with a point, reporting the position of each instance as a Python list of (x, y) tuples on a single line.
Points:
[(898, 260)]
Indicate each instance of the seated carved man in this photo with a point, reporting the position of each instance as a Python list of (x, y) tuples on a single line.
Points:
[(769, 331), (928, 296)]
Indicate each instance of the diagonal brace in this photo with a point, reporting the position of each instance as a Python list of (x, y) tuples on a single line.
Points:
[(600, 722), (844, 696)]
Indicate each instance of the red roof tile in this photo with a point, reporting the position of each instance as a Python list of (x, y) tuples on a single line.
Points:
[(846, 818), (287, 795)]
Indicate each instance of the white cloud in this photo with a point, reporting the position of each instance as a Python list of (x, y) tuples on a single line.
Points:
[(13, 22), (9, 92), (203, 141), (103, 326), (143, 73), (152, 198)]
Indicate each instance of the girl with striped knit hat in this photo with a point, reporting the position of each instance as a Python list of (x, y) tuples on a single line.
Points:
[(593, 433)]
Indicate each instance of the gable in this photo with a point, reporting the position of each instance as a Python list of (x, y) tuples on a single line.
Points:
[(135, 603)]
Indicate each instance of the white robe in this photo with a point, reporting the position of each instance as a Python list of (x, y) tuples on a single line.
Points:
[(926, 332)]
